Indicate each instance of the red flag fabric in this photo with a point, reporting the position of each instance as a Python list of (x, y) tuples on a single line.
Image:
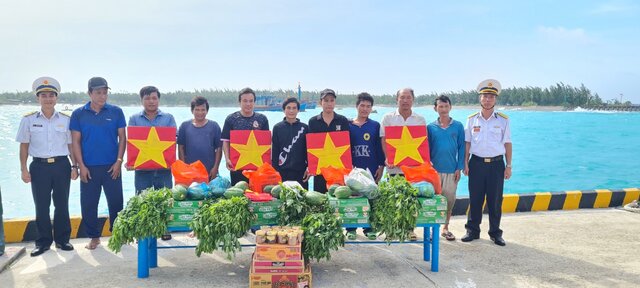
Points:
[(328, 149), (250, 148), (151, 148), (407, 145)]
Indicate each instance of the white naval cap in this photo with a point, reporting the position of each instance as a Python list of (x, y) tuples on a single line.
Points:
[(490, 86), (43, 84)]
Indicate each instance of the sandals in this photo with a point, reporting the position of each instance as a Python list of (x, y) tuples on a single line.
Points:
[(351, 235), (93, 244), (448, 235), (371, 235), (166, 237)]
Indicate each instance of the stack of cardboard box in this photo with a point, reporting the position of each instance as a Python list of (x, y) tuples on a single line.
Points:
[(434, 210), (267, 213), (279, 265), (182, 212), (351, 210)]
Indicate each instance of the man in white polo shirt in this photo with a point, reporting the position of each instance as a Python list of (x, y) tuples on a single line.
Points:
[(404, 116)]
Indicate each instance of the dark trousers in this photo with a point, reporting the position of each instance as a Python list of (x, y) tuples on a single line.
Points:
[(236, 176), (486, 180), (294, 175), (156, 179), (90, 197), (51, 181), (319, 184)]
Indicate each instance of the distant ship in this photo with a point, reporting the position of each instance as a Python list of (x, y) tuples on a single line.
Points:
[(272, 103)]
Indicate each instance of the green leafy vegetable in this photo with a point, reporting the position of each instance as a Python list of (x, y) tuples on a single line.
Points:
[(219, 224), (396, 209), (322, 233), (144, 216)]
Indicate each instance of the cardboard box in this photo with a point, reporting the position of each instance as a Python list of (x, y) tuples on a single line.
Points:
[(269, 206), (180, 217), (433, 214), (355, 220), (430, 220), (264, 222), (187, 204), (351, 209), (291, 266), (183, 210), (278, 280), (180, 224), (278, 252), (354, 202), (437, 203), (267, 215)]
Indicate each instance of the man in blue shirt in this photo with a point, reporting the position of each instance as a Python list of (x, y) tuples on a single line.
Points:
[(98, 144), (366, 147), (199, 138), (446, 144), (151, 116)]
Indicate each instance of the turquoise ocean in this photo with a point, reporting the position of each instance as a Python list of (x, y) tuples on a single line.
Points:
[(553, 151)]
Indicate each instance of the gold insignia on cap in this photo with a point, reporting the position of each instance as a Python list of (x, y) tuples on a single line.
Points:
[(45, 82), (490, 84)]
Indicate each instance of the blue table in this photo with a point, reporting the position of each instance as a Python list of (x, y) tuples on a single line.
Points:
[(148, 247)]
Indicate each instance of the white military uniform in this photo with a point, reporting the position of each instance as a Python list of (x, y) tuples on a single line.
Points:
[(395, 119), (46, 137), (487, 136)]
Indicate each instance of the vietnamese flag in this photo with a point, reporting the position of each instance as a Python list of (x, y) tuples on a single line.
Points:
[(150, 148), (328, 149), (407, 145), (250, 148)]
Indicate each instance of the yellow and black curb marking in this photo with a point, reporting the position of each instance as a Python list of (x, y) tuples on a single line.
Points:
[(24, 229), (565, 200)]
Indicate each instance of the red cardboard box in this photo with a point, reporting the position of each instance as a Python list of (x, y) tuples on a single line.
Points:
[(278, 280), (290, 266)]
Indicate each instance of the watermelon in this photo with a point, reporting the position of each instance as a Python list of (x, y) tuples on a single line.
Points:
[(332, 188), (268, 188), (342, 192), (179, 192), (315, 198), (233, 192), (275, 192), (242, 185)]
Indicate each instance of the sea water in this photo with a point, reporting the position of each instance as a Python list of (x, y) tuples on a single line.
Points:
[(552, 151)]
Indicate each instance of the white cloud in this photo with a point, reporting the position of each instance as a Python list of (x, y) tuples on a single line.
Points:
[(577, 35), (613, 8)]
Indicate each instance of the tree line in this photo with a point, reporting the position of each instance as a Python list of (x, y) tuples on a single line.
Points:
[(559, 94)]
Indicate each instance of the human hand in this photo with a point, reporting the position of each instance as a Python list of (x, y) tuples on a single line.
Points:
[(230, 165), (456, 176), (507, 173), (26, 176), (466, 170), (115, 170), (74, 173), (305, 176), (85, 175), (213, 173)]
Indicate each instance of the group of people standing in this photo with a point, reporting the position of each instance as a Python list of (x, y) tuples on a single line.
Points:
[(90, 144)]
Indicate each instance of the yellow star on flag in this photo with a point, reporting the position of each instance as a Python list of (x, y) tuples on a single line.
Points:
[(406, 146), (250, 153), (151, 148), (329, 154)]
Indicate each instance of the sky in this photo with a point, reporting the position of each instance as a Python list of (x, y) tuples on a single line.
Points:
[(350, 46)]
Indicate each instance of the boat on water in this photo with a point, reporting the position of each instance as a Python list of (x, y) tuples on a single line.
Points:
[(273, 103)]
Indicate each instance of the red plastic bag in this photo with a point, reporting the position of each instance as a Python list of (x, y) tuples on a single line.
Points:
[(258, 196), (424, 172), (186, 174), (265, 175), (334, 175)]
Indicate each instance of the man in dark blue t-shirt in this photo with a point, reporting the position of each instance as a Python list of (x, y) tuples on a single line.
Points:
[(98, 143), (199, 138), (366, 149), (245, 119)]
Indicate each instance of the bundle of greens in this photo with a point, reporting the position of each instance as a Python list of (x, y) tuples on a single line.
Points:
[(322, 233), (396, 209), (298, 202), (145, 216), (219, 224)]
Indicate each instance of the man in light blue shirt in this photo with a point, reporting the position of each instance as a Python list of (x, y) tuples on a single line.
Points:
[(151, 116), (446, 144)]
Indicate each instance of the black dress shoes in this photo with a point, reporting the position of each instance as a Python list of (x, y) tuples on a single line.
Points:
[(39, 250), (498, 241), (65, 247), (468, 237)]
